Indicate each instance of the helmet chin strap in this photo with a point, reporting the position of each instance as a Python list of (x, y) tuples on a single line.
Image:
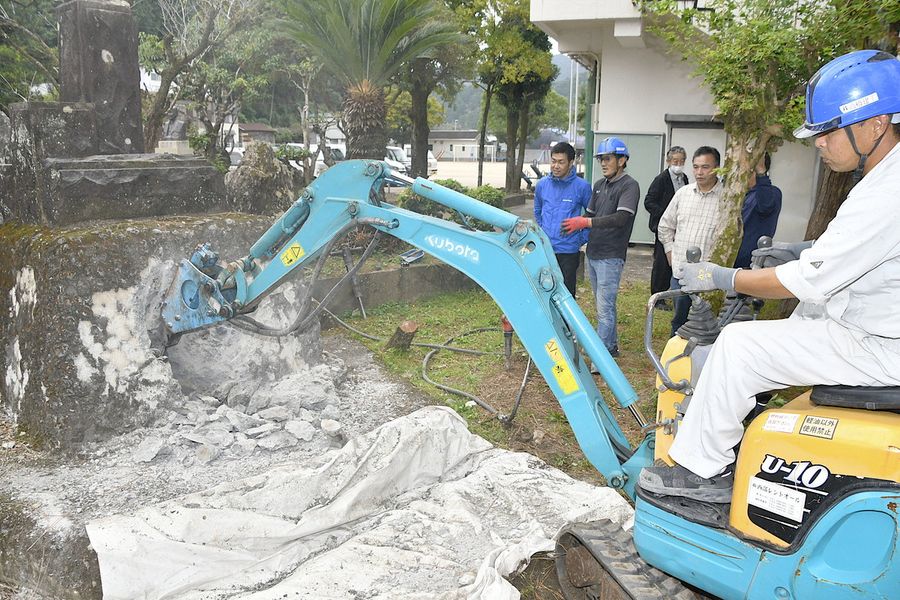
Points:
[(858, 173)]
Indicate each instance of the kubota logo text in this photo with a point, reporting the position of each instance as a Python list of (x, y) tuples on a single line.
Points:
[(441, 243)]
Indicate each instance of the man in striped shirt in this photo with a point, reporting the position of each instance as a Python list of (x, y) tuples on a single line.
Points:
[(692, 219)]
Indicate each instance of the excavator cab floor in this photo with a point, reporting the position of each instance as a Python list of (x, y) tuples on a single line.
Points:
[(703, 513)]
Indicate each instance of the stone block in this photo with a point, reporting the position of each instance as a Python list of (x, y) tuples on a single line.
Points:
[(98, 63), (39, 130), (45, 129), (261, 184), (77, 303), (127, 186)]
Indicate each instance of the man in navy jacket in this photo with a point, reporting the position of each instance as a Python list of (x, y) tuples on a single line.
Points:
[(562, 195), (762, 205), (657, 201)]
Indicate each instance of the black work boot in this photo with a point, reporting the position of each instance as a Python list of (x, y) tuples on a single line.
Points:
[(678, 481)]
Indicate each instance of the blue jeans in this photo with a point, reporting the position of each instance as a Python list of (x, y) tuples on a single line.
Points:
[(682, 308), (605, 274)]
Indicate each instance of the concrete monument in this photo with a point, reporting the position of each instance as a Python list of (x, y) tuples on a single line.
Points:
[(98, 64)]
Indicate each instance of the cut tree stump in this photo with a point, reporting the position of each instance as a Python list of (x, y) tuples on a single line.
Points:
[(403, 336)]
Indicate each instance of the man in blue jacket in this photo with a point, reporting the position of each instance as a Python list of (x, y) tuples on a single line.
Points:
[(762, 205), (556, 198)]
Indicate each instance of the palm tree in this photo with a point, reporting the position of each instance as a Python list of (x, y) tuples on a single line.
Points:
[(365, 43)]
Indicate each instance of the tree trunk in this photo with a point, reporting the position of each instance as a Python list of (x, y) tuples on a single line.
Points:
[(833, 190), (739, 163), (512, 131), (365, 117), (158, 109), (524, 117), (418, 114), (403, 336), (482, 132)]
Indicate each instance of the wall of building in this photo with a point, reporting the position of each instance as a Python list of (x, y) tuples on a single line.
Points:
[(457, 149), (639, 86)]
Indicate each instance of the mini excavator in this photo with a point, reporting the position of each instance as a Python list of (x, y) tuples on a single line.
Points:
[(814, 513)]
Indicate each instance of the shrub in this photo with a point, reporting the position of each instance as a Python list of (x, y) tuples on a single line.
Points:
[(489, 195)]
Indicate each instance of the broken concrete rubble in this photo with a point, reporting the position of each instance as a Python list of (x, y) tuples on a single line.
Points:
[(44, 503), (76, 355)]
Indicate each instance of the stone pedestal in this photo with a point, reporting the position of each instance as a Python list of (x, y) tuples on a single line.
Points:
[(98, 63), (126, 186), (77, 304)]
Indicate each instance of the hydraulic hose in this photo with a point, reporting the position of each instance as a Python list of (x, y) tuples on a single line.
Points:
[(305, 318)]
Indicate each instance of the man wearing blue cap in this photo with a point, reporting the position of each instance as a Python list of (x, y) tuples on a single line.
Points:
[(610, 218), (846, 329)]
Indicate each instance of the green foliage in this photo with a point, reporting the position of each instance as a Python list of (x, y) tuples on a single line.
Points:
[(286, 153), (485, 193), (755, 56), (28, 49), (198, 141), (365, 43), (201, 143), (489, 195), (367, 40), (399, 109), (151, 52)]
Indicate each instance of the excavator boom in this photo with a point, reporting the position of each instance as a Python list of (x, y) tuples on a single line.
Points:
[(514, 263)]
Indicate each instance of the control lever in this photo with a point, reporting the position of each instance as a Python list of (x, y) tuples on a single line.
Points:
[(762, 243), (693, 256)]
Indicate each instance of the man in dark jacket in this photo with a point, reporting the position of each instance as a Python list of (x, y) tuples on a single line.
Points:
[(762, 205), (556, 198), (657, 200), (610, 218)]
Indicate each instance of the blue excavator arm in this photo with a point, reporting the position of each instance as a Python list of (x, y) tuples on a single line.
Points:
[(514, 263)]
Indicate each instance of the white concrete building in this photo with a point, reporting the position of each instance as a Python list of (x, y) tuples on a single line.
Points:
[(647, 96), (460, 144)]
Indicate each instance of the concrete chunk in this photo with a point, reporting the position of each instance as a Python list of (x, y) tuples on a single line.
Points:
[(277, 440), (275, 413), (148, 449), (301, 430)]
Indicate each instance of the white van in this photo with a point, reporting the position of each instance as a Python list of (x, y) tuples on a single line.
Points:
[(397, 155), (432, 161)]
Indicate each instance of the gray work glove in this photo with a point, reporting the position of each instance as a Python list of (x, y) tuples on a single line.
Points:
[(706, 276), (779, 253)]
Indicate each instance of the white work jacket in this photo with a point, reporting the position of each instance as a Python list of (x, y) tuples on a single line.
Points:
[(852, 272)]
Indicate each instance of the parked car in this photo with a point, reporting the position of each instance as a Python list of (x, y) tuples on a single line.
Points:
[(432, 161), (396, 154)]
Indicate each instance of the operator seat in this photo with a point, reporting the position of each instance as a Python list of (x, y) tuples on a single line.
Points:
[(851, 396)]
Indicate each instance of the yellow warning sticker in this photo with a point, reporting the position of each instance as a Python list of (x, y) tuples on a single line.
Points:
[(561, 370), (294, 253)]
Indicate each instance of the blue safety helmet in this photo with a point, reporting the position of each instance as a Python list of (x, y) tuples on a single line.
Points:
[(850, 89), (612, 145)]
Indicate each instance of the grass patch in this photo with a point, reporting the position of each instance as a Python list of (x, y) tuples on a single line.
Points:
[(540, 426)]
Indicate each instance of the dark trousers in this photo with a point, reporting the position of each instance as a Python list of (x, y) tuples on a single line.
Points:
[(661, 274), (568, 264), (682, 307)]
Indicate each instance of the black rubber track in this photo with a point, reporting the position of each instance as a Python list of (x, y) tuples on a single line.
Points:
[(603, 564)]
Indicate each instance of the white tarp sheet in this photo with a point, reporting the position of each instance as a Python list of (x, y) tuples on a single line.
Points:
[(418, 508)]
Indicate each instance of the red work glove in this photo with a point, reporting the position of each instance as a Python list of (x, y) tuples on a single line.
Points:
[(573, 224)]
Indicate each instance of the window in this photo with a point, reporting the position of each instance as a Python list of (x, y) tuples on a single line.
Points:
[(451, 147)]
